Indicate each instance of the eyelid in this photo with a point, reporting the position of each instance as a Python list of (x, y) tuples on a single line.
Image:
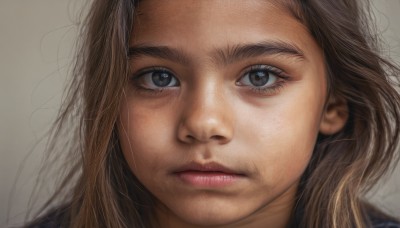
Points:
[(279, 72), (272, 69), (268, 90), (141, 82), (144, 71)]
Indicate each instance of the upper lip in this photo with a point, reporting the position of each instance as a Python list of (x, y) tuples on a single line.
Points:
[(207, 167)]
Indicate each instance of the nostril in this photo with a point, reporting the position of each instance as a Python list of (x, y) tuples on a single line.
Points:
[(190, 138), (217, 137), (204, 130)]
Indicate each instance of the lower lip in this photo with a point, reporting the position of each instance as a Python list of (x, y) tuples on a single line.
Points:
[(208, 179)]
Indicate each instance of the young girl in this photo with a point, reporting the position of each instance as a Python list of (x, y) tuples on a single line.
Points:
[(226, 113)]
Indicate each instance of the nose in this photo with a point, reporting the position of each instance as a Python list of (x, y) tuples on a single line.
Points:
[(206, 117)]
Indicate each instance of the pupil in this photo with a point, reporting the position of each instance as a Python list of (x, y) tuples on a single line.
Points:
[(161, 79), (259, 78)]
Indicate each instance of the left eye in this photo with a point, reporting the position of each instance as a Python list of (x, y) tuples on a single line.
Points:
[(259, 78), (158, 79)]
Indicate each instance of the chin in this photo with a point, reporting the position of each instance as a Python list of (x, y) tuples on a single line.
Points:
[(207, 220), (212, 215)]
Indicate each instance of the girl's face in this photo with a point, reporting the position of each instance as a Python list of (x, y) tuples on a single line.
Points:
[(222, 111)]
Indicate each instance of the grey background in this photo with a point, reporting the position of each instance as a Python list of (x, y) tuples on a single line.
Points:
[(36, 50)]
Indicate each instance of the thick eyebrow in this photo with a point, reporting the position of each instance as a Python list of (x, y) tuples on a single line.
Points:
[(221, 55), (240, 52), (162, 52)]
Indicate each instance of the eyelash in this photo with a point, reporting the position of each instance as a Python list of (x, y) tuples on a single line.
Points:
[(138, 76), (282, 78)]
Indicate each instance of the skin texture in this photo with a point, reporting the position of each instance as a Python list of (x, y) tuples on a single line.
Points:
[(212, 114)]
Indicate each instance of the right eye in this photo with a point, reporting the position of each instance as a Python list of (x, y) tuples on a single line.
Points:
[(156, 79)]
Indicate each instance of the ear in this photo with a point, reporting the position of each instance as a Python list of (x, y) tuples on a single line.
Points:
[(334, 117)]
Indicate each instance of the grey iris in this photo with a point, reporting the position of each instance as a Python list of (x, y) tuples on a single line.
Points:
[(161, 79), (258, 78)]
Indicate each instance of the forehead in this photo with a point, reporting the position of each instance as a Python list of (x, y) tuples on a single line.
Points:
[(154, 14), (211, 24)]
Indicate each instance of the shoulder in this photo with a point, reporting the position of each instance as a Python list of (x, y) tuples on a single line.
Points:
[(377, 218), (55, 218), (382, 220), (384, 223)]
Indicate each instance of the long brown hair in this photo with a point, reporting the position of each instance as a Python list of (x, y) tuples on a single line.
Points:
[(343, 167)]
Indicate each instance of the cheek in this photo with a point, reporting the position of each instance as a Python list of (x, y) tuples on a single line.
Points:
[(142, 132), (284, 139)]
